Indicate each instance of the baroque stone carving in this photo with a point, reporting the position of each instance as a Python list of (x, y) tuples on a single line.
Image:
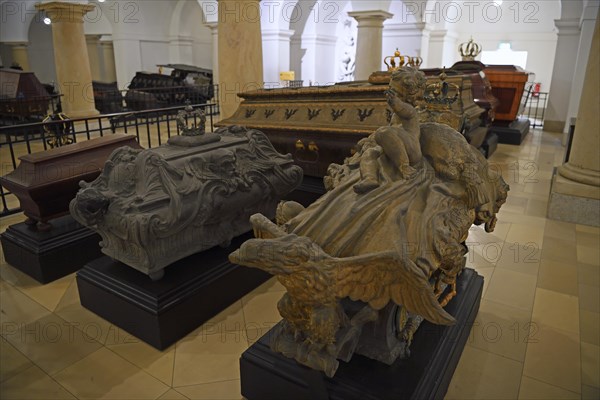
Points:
[(382, 249), (153, 207)]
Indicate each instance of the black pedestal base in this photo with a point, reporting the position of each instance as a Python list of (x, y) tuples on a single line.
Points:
[(47, 256), (514, 133), (309, 190), (192, 291), (490, 144), (426, 374)]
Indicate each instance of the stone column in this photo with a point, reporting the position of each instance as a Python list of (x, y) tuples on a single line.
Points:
[(369, 41), (71, 57), (276, 54), (587, 22), (19, 55), (240, 51), (575, 195), (214, 30), (92, 42), (108, 61), (562, 74)]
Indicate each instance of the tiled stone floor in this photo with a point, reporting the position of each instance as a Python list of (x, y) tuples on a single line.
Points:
[(537, 334)]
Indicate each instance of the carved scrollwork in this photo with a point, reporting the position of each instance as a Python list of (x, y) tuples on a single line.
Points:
[(155, 206)]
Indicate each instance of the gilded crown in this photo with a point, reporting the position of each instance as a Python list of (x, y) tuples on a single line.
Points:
[(441, 94), (398, 60), (469, 50)]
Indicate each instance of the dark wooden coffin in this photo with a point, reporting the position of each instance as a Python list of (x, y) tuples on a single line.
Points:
[(47, 181), (320, 125), (22, 94), (508, 85)]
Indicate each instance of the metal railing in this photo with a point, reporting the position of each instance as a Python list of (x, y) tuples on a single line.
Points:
[(151, 127), (536, 108), (120, 100), (28, 110), (533, 105)]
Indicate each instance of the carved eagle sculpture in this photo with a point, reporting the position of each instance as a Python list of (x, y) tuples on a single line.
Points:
[(390, 249), (375, 278)]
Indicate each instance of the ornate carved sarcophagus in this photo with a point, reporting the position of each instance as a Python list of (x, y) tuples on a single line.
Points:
[(321, 125), (377, 254), (318, 125), (153, 207), (47, 181)]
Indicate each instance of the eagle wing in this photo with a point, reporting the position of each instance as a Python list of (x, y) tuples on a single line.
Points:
[(380, 277)]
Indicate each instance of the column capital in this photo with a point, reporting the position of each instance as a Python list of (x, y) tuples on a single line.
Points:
[(569, 26), (92, 39), (213, 25), (59, 11), (106, 43), (372, 18), (271, 34)]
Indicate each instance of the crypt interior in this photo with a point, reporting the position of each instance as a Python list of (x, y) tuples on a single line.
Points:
[(537, 332)]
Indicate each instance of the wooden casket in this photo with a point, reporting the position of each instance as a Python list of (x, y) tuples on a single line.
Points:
[(45, 182), (22, 95), (508, 85), (320, 125)]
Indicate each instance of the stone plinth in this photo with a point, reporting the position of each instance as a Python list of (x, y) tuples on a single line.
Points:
[(575, 195)]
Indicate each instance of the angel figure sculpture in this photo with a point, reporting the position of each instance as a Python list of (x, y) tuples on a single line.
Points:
[(381, 250)]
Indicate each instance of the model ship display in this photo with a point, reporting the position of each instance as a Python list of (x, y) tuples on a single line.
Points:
[(381, 251), (153, 207)]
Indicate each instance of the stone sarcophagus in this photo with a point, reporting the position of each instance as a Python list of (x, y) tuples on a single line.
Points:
[(382, 250), (153, 207)]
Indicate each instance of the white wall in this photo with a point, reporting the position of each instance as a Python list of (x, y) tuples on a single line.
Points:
[(41, 51), (153, 53), (143, 33), (527, 25), (540, 47)]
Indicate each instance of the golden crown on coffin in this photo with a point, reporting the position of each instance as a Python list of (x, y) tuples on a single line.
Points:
[(441, 94), (398, 60), (469, 50)]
